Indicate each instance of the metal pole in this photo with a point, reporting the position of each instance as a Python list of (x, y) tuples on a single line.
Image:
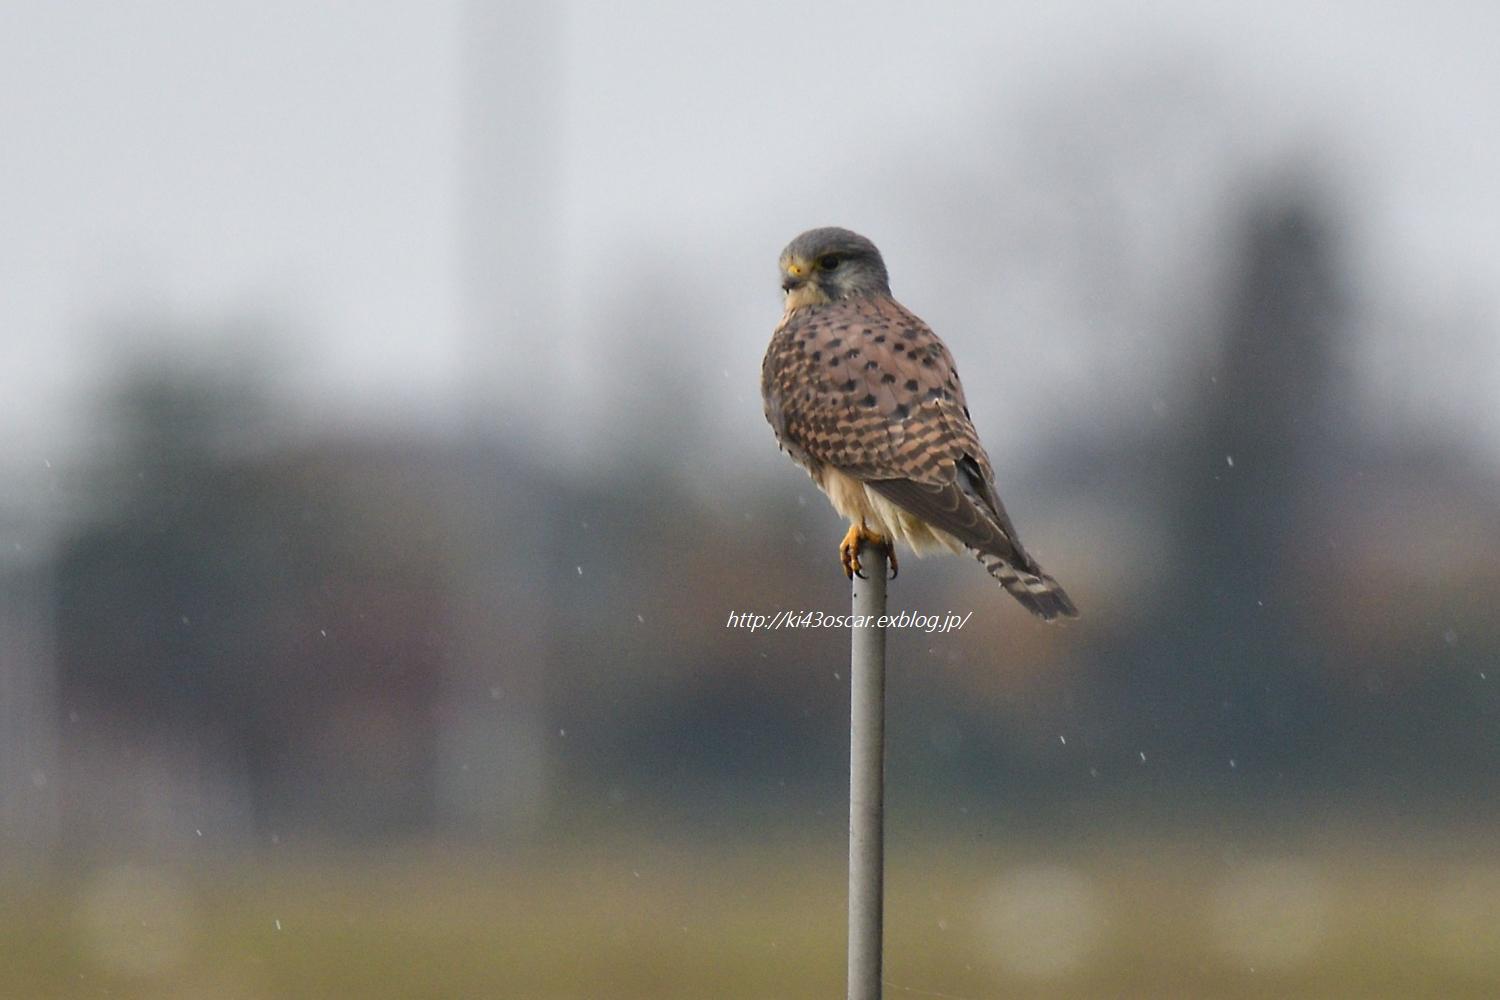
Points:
[(867, 780)]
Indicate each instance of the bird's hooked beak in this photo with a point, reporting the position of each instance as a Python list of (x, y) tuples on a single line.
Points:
[(796, 276)]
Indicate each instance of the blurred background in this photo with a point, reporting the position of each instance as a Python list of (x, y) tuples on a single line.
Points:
[(384, 456)]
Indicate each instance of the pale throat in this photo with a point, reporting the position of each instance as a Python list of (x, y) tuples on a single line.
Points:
[(806, 295)]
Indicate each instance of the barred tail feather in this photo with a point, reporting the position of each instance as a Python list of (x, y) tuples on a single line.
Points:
[(1037, 592)]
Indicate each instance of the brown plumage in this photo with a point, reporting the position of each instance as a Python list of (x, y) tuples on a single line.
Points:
[(865, 396)]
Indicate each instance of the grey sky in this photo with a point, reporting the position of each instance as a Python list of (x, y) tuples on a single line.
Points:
[(309, 161)]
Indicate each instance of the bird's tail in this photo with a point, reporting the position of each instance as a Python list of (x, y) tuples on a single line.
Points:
[(1037, 592)]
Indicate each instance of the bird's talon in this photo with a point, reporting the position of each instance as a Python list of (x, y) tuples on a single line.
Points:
[(858, 535)]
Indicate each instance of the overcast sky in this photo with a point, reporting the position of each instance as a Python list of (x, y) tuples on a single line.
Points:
[(314, 167)]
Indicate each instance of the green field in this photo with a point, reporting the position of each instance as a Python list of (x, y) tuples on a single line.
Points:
[(642, 920)]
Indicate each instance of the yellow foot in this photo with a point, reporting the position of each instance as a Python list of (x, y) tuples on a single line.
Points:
[(849, 550)]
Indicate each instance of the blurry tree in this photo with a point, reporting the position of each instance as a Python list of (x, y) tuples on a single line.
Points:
[(244, 641), (652, 548)]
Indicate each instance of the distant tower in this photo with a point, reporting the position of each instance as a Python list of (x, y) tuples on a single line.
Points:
[(508, 193), (1261, 433), (1267, 407), (493, 764)]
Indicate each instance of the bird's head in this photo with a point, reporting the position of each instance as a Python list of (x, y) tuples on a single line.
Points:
[(829, 264)]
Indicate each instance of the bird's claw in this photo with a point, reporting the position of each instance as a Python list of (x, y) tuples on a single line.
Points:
[(858, 535), (849, 553)]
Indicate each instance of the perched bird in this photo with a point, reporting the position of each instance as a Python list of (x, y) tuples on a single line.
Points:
[(864, 396)]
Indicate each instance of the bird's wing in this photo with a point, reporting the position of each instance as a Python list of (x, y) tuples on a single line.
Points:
[(866, 387)]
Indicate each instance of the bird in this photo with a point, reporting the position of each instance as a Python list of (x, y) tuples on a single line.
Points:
[(864, 396)]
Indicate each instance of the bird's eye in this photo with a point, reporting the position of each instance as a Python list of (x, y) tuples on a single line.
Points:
[(828, 261)]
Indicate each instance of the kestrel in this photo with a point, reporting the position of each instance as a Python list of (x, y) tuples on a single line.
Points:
[(864, 396)]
